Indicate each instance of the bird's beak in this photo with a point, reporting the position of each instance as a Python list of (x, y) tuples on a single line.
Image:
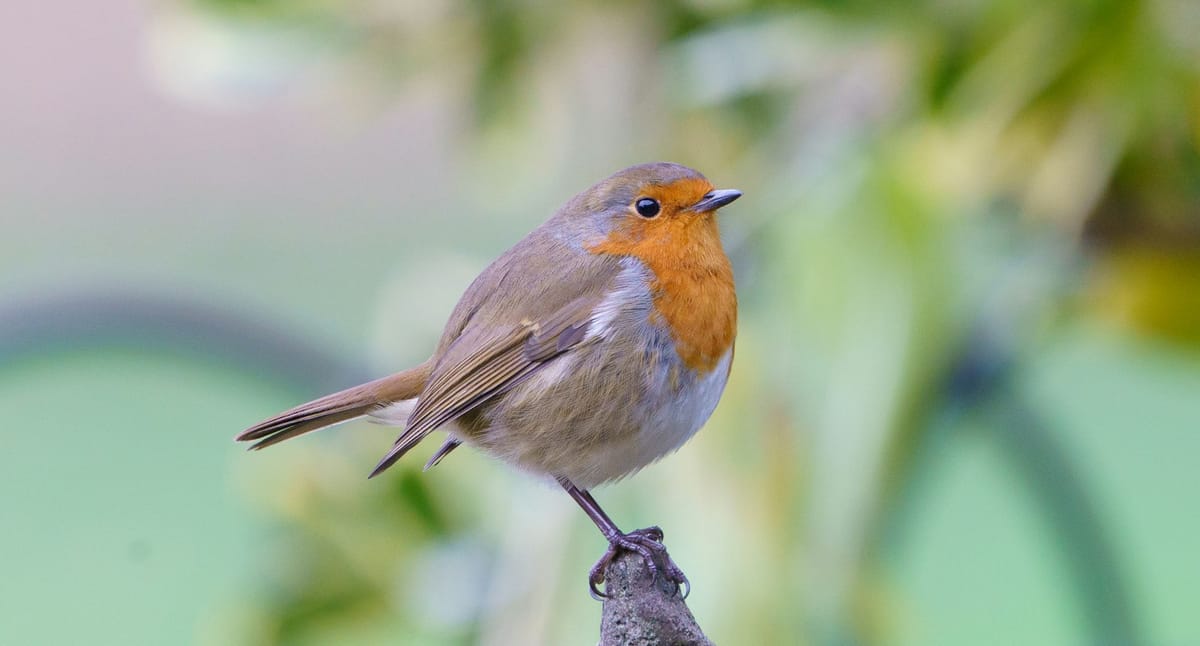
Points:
[(716, 199)]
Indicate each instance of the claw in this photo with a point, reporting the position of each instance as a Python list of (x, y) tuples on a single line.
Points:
[(593, 581), (648, 544), (596, 576)]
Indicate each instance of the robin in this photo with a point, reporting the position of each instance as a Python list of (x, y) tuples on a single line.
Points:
[(596, 345)]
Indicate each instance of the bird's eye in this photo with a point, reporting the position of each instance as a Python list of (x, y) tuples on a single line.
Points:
[(647, 207)]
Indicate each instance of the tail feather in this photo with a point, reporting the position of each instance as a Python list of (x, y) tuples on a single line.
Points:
[(338, 407), (300, 428)]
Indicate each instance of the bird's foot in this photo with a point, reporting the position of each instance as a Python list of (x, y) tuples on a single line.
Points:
[(648, 544)]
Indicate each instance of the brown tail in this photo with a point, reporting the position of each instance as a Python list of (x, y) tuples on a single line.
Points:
[(338, 407)]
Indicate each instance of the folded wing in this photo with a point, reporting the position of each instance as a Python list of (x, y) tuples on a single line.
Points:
[(486, 361)]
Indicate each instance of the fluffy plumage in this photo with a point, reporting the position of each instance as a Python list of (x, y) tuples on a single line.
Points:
[(594, 346)]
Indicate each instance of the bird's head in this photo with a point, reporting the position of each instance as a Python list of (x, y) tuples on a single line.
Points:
[(658, 204)]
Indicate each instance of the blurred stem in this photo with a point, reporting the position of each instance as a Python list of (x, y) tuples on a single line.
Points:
[(163, 324), (1060, 493), (981, 381)]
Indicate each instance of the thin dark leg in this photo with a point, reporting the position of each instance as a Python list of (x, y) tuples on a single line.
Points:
[(592, 509), (646, 542)]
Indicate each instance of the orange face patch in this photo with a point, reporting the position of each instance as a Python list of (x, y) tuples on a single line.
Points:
[(693, 281)]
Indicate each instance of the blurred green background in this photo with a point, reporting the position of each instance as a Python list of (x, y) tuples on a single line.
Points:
[(966, 402)]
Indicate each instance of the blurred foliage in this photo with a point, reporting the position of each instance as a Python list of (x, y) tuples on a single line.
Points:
[(936, 188)]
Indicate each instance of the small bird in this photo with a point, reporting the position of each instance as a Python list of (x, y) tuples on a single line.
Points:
[(596, 345)]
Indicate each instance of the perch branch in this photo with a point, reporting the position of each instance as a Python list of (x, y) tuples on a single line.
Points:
[(641, 611)]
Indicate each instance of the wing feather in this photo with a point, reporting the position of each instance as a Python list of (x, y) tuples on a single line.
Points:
[(498, 362)]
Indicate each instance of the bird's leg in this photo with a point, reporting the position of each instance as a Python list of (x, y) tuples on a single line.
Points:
[(646, 542)]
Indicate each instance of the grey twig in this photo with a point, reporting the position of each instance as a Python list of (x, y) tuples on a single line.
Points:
[(642, 611)]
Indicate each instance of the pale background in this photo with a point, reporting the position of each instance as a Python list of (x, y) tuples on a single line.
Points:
[(966, 402)]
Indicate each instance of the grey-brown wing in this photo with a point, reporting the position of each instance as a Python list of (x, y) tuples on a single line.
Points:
[(484, 362)]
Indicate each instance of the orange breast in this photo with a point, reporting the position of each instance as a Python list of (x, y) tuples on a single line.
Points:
[(693, 281)]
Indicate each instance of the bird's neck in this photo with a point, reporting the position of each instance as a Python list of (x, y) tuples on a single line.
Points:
[(692, 288)]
